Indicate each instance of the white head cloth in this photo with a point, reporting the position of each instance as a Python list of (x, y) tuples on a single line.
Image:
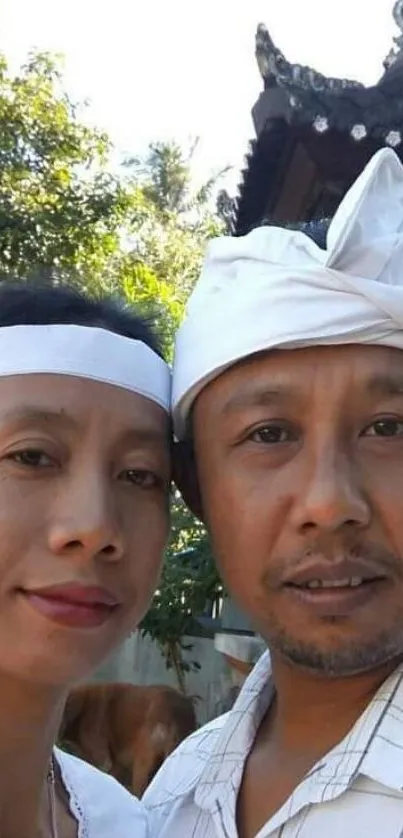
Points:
[(275, 288), (85, 352)]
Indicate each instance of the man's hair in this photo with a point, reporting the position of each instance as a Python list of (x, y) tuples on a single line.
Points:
[(34, 305)]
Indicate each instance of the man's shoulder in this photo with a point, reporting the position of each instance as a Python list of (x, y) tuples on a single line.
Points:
[(182, 770)]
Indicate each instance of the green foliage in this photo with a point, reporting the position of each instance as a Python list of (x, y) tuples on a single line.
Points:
[(166, 177), (189, 585), (153, 296), (60, 210), (170, 224)]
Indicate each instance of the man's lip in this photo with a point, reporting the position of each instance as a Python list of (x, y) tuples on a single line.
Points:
[(76, 594), (339, 602), (334, 571)]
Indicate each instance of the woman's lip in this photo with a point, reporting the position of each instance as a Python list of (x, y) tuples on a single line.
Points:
[(70, 613), (73, 604), (75, 594)]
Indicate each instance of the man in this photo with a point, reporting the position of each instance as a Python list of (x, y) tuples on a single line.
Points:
[(288, 392)]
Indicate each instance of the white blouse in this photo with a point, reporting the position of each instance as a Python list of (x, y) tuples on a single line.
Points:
[(100, 805)]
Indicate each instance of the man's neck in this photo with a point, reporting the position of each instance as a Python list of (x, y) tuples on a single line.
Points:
[(29, 721), (307, 718), (312, 713)]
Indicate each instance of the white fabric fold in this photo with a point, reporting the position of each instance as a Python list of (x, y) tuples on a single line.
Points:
[(276, 289)]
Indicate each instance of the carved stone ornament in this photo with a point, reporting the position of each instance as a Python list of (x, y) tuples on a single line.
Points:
[(396, 52), (276, 71), (393, 138), (321, 124)]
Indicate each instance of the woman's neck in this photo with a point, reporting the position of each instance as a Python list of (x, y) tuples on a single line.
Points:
[(29, 722)]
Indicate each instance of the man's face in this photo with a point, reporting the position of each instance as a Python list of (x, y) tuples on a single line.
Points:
[(300, 461)]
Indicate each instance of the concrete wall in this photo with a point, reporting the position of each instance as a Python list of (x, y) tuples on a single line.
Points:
[(139, 661), (233, 619)]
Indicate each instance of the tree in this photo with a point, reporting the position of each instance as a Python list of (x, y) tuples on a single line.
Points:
[(60, 209), (65, 217), (172, 221), (189, 590)]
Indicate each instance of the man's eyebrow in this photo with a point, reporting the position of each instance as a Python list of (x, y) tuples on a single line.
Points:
[(385, 384), (256, 396)]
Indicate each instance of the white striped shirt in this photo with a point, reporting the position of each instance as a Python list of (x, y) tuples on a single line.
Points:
[(355, 791)]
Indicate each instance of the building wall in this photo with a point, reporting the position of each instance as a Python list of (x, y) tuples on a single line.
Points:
[(139, 661)]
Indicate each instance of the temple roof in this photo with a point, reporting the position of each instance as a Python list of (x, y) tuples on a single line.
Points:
[(315, 134)]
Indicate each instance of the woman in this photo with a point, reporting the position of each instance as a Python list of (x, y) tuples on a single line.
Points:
[(84, 483)]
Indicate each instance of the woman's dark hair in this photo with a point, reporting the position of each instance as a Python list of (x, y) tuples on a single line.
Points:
[(34, 305)]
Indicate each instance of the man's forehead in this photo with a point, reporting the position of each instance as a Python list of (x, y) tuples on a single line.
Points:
[(277, 376)]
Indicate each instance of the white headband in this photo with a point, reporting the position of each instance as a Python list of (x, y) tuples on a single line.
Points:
[(275, 288), (85, 352)]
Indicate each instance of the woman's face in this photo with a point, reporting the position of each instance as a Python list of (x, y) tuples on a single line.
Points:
[(84, 477)]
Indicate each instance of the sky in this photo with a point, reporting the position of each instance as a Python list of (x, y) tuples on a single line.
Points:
[(181, 69)]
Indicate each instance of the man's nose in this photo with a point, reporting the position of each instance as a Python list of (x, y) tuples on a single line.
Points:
[(331, 496), (84, 520)]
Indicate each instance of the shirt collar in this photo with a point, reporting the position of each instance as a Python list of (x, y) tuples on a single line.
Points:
[(373, 748), (225, 765)]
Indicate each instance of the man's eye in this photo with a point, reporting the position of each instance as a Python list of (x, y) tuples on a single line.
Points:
[(271, 434), (31, 458), (142, 478), (385, 428)]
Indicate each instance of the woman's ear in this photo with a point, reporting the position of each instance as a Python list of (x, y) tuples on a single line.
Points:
[(185, 476)]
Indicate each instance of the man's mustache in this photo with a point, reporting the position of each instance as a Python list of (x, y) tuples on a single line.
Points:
[(373, 557)]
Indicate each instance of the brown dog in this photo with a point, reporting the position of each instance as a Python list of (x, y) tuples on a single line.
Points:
[(125, 729)]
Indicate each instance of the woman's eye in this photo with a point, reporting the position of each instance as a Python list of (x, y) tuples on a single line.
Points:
[(385, 428), (31, 457), (141, 477), (272, 434)]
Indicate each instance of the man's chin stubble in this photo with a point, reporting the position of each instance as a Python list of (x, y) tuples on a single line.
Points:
[(343, 662)]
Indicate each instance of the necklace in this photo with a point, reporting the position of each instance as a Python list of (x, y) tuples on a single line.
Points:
[(52, 799)]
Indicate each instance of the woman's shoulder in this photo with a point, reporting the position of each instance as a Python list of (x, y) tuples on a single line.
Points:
[(99, 802)]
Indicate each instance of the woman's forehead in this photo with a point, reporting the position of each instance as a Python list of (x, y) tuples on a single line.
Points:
[(77, 401)]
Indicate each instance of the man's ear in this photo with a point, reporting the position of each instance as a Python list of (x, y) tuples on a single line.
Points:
[(185, 476)]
